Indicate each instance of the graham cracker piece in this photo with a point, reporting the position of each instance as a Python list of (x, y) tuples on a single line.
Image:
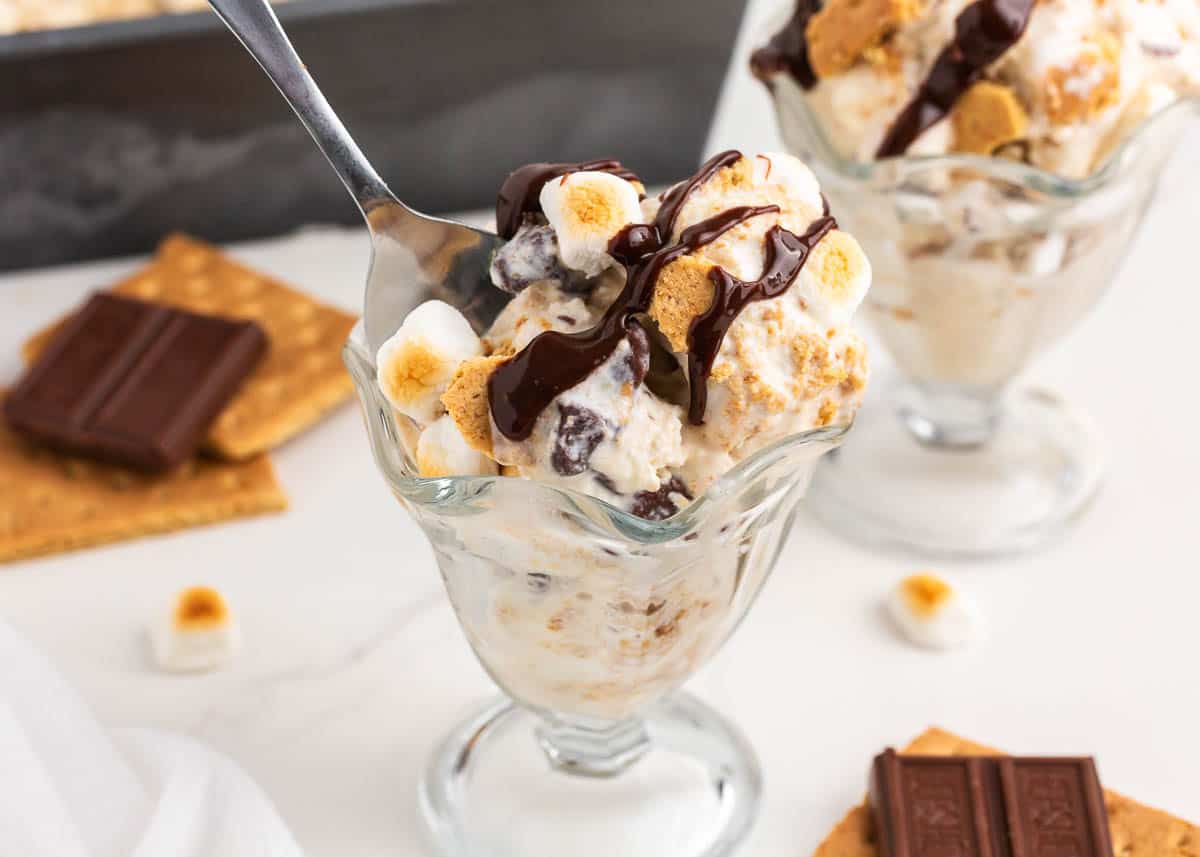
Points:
[(845, 29), (987, 117), (466, 400), (1136, 829), (301, 377), (51, 503), (683, 292)]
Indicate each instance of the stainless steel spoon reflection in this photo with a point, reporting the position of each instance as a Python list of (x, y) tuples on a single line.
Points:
[(415, 257)]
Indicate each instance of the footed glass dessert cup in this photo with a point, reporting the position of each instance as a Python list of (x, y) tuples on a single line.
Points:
[(979, 265), (590, 619)]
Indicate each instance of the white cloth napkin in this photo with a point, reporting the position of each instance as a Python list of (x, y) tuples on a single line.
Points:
[(70, 788)]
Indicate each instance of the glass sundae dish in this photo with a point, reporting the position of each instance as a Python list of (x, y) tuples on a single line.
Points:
[(607, 469), (995, 158)]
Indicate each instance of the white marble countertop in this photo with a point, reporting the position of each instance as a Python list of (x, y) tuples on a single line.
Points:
[(354, 665)]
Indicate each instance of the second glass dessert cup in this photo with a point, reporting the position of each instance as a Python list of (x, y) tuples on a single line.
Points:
[(979, 264), (590, 620)]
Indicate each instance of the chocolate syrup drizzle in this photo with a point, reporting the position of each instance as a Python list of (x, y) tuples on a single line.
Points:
[(786, 255), (554, 361), (788, 49), (519, 194), (983, 32)]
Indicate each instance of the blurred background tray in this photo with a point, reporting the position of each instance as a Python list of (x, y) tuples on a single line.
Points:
[(115, 134)]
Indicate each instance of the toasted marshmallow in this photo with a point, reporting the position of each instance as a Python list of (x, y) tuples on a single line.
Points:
[(933, 613), (10, 18), (442, 451), (416, 364), (790, 175), (586, 210), (197, 633), (834, 279)]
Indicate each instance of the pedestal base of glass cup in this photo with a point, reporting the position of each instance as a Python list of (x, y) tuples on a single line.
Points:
[(948, 474), (680, 782)]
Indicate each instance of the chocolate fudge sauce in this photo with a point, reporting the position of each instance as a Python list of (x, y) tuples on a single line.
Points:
[(520, 191), (520, 389), (788, 49), (983, 32), (786, 255)]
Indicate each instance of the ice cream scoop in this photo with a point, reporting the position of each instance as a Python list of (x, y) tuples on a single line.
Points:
[(649, 346)]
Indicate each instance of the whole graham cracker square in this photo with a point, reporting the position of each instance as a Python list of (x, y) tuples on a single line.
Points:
[(1137, 830), (301, 377), (51, 503)]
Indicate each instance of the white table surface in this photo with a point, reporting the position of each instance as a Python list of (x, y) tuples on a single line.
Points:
[(354, 666)]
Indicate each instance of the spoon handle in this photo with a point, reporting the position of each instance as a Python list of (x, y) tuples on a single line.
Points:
[(256, 27)]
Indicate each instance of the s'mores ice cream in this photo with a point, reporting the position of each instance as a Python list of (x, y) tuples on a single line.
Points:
[(651, 342), (1058, 84)]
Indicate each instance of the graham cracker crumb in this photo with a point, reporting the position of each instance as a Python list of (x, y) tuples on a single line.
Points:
[(844, 30), (1065, 103), (466, 400), (814, 367), (987, 117)]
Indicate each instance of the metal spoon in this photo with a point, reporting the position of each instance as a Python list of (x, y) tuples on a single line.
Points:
[(414, 257)]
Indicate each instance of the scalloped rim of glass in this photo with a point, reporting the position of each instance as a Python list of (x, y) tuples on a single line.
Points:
[(895, 170), (449, 490)]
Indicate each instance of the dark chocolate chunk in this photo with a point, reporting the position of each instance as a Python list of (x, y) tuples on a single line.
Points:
[(987, 806), (134, 383), (660, 505), (579, 432), (606, 483), (637, 362), (532, 256)]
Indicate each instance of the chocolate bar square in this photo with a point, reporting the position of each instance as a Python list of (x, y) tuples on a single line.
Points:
[(134, 383), (988, 806)]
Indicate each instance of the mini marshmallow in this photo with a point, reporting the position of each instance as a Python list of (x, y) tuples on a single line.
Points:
[(197, 633), (934, 614), (586, 210), (790, 174), (442, 451), (834, 279), (415, 366)]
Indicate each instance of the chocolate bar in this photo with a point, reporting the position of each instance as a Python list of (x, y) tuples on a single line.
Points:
[(988, 806), (134, 383)]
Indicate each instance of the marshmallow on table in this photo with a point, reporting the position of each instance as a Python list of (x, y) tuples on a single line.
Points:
[(416, 364), (933, 613), (587, 209), (442, 451), (198, 632)]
